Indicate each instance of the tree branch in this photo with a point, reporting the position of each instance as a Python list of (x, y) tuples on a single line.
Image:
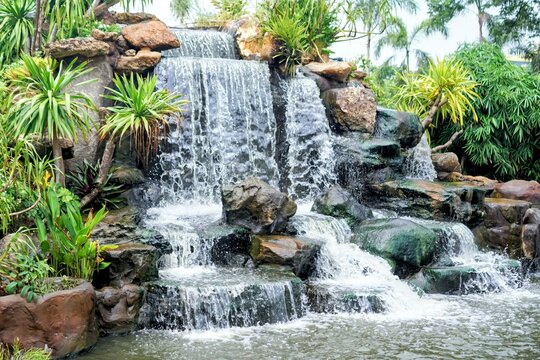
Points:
[(106, 162), (448, 143)]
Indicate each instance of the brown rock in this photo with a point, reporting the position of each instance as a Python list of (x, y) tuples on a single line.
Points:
[(81, 47), (476, 180), (121, 44), (131, 52), (351, 109), (64, 321), (252, 43), (530, 240), (256, 205), (446, 162), (503, 212), (104, 35), (154, 35), (132, 18), (118, 309), (335, 70), (144, 60), (519, 190)]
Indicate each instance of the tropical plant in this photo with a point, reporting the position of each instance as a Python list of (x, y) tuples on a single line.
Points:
[(399, 38), (504, 143), (182, 8), (140, 111), (229, 9), (23, 269), (66, 236), (376, 15), (16, 28), (15, 352), (46, 104), (442, 11), (446, 90), (84, 180), (383, 80)]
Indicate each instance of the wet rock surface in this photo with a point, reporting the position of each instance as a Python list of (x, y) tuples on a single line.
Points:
[(64, 321), (519, 190), (338, 202), (257, 206), (405, 128), (118, 309)]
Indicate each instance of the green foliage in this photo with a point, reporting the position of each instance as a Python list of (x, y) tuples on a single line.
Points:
[(86, 29), (66, 236), (84, 180), (140, 111), (384, 82), (447, 85), (24, 270), (14, 352), (181, 8), (229, 9), (44, 105), (504, 143), (16, 28), (516, 21), (306, 28)]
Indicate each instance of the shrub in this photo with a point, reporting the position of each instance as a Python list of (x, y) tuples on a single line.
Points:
[(14, 352), (16, 28), (504, 143)]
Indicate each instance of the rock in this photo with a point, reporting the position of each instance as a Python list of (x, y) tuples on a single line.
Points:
[(530, 234), (104, 35), (405, 128), (131, 52), (404, 242), (143, 61), (230, 244), (87, 149), (335, 70), (338, 202), (519, 190), (532, 216), (502, 212), (77, 47), (118, 309), (154, 35), (130, 263), (132, 18), (257, 206), (326, 299), (323, 83), (300, 253), (252, 43), (127, 175), (123, 46), (503, 238), (64, 321), (351, 109), (430, 200), (446, 162), (458, 177)]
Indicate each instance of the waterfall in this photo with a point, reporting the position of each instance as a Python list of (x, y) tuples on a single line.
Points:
[(203, 44), (310, 154), (418, 164), (345, 271), (227, 132)]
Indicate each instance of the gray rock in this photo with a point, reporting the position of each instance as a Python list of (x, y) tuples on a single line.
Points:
[(118, 309), (338, 202), (257, 206), (402, 127)]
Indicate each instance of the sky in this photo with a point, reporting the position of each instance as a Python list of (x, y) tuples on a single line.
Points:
[(462, 29)]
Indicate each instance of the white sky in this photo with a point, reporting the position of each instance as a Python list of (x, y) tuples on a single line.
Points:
[(463, 29)]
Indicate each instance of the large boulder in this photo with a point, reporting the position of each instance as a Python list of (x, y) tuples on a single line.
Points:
[(351, 109), (132, 18), (143, 61), (447, 162), (502, 212), (154, 35), (257, 206), (530, 234), (64, 321), (335, 70), (505, 238), (300, 253), (118, 309), (402, 127), (77, 47), (338, 202), (519, 190), (252, 42), (407, 244)]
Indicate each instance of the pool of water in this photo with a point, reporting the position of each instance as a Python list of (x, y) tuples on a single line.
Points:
[(491, 326)]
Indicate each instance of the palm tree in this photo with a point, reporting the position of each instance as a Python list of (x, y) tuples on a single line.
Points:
[(399, 38), (140, 112), (46, 104), (375, 16)]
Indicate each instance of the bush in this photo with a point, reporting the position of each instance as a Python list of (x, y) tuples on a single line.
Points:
[(504, 143)]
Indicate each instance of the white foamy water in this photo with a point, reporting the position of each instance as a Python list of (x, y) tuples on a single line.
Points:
[(418, 164)]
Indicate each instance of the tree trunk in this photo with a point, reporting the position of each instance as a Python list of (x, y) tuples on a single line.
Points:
[(106, 163), (448, 143), (90, 10), (368, 48), (101, 8), (437, 104), (40, 18), (407, 59), (58, 162), (481, 27)]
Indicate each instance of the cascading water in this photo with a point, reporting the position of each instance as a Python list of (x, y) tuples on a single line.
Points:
[(203, 44), (418, 164), (227, 131), (310, 154)]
